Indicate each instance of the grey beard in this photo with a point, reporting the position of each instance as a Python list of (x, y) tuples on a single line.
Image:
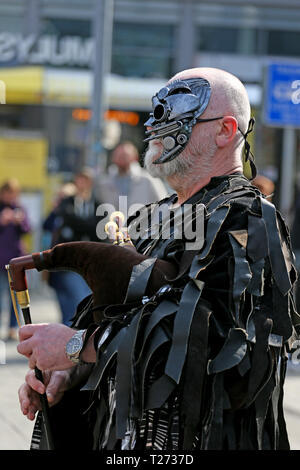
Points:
[(190, 166), (179, 166)]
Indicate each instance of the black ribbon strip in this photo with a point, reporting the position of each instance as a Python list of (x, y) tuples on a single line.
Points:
[(158, 339), (190, 297), (261, 409), (247, 149), (228, 196), (194, 374), (213, 227), (242, 273), (257, 231), (277, 260), (275, 406), (282, 322), (261, 360), (232, 352), (283, 442), (104, 358), (159, 392), (214, 432), (124, 374), (255, 286), (139, 280), (165, 309)]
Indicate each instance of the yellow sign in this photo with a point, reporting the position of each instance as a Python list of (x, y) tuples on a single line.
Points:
[(2, 92), (23, 84), (25, 159)]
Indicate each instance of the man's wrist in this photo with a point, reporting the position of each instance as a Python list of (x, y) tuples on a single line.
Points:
[(80, 348), (88, 353), (74, 346)]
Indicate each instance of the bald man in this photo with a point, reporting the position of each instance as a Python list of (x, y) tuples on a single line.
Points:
[(200, 363)]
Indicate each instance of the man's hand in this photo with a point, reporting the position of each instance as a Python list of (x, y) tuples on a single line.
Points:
[(44, 345), (56, 383)]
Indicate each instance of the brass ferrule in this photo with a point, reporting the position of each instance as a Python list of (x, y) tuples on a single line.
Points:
[(12, 294), (23, 298)]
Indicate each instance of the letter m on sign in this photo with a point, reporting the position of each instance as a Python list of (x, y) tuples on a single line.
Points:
[(2, 92)]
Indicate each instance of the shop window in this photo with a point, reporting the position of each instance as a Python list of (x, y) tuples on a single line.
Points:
[(285, 43), (227, 40), (142, 50), (66, 27)]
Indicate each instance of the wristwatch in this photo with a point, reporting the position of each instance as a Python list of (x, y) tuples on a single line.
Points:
[(74, 346)]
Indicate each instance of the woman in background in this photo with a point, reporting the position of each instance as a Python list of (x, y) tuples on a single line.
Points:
[(13, 224)]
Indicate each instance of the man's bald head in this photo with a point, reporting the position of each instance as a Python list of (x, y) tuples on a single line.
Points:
[(228, 94)]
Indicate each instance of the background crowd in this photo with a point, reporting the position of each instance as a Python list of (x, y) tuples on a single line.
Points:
[(72, 218)]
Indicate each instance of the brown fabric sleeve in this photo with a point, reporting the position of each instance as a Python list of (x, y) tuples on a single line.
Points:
[(106, 268)]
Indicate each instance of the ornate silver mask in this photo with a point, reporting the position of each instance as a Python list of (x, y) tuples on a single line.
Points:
[(176, 109)]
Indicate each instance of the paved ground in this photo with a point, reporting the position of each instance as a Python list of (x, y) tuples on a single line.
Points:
[(15, 429)]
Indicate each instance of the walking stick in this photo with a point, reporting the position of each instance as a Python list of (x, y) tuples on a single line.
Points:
[(18, 289)]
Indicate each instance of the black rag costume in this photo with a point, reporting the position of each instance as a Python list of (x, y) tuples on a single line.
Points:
[(194, 359), (201, 364)]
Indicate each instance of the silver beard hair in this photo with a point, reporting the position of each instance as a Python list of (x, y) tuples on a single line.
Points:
[(193, 162), (178, 166)]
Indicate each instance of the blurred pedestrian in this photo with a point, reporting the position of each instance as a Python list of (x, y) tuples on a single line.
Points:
[(265, 185), (49, 225), (14, 223), (127, 178), (73, 218)]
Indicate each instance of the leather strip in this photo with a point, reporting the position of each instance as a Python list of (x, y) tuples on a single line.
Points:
[(165, 309), (283, 442), (242, 274), (257, 231), (214, 438), (255, 286), (277, 260), (213, 227), (231, 354), (282, 324), (261, 409), (228, 196), (139, 280), (155, 397), (124, 374), (182, 323), (260, 356), (103, 360), (194, 374), (158, 339)]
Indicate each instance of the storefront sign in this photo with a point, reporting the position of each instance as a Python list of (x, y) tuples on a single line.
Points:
[(71, 51)]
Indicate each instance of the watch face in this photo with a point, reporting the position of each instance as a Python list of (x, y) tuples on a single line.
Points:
[(74, 346)]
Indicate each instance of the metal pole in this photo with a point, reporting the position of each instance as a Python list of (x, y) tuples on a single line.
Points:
[(287, 170), (102, 33), (186, 37), (33, 14)]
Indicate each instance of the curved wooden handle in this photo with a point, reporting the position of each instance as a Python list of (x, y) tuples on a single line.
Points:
[(17, 268)]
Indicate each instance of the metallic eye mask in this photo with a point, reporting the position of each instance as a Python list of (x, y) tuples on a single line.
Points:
[(176, 109)]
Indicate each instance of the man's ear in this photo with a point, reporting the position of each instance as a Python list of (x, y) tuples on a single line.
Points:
[(227, 131)]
